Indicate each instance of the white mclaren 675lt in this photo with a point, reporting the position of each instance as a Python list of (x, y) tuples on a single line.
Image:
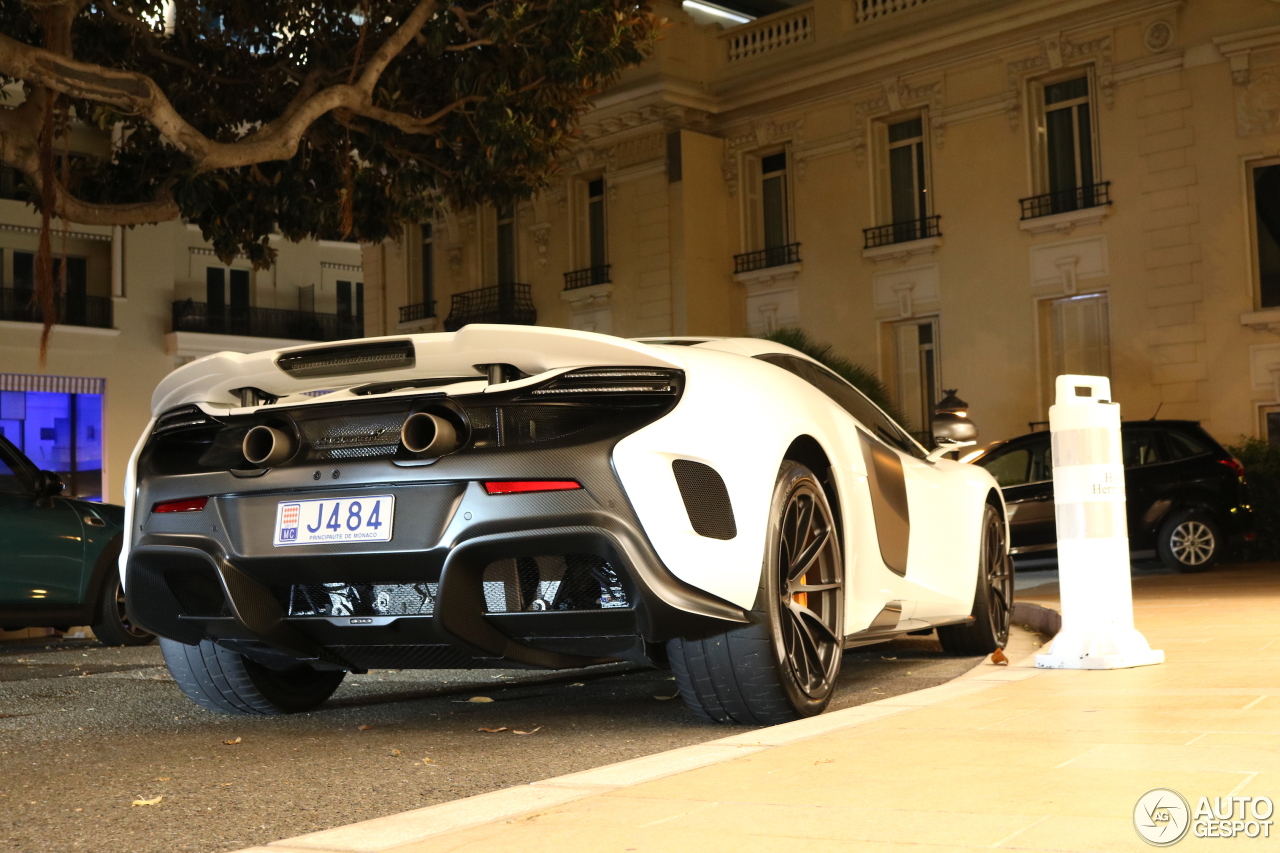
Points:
[(533, 497)]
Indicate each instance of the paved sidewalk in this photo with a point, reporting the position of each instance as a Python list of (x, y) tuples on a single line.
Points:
[(1009, 757)]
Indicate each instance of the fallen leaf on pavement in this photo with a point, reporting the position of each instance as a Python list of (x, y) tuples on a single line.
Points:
[(882, 657), (577, 684), (998, 658), (396, 753), (493, 731), (161, 779), (143, 802), (665, 698), (479, 699), (426, 761), (233, 742), (531, 731), (364, 727), (825, 761)]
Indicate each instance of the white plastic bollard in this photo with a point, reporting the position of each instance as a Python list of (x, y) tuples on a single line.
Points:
[(1093, 533)]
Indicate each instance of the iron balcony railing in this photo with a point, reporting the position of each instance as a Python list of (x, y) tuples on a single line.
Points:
[(192, 316), (774, 256), (69, 310), (587, 277), (901, 232), (1065, 201), (417, 311), (504, 303)]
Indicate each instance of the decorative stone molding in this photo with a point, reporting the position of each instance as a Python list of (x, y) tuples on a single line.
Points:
[(908, 292), (895, 95), (761, 134), (1266, 320), (541, 241), (1056, 52), (591, 307), (1158, 37), (1237, 48), (1065, 223), (771, 302), (648, 114), (769, 275), (1057, 268), (1258, 103), (911, 250)]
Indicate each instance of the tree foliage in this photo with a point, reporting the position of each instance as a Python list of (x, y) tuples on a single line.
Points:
[(862, 378), (313, 118), (1262, 470)]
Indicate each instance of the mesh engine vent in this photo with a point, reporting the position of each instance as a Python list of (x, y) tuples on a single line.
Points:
[(705, 499), (352, 436), (358, 599), (568, 582)]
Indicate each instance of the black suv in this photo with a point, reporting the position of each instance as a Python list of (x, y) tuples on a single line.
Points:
[(1187, 495)]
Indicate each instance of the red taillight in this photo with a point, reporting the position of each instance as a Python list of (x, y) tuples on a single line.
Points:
[(188, 505), (1235, 465), (515, 487)]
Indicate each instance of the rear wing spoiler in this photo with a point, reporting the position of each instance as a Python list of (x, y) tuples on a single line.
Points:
[(218, 378)]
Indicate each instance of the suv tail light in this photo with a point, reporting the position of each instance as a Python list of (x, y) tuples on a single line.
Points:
[(1235, 465)]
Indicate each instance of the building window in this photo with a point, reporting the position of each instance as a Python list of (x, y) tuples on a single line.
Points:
[(219, 297), (506, 245), (775, 230), (915, 345), (58, 432), (24, 272), (1080, 336), (596, 224), (908, 191), (767, 216), (1271, 426), (1266, 214), (350, 298), (1067, 151), (12, 184)]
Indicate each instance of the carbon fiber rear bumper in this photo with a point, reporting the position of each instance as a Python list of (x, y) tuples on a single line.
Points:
[(448, 529)]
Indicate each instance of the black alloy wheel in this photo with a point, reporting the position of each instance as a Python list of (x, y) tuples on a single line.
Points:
[(113, 626), (783, 664), (810, 592), (993, 598)]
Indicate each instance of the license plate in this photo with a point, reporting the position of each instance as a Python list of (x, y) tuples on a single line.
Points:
[(362, 519)]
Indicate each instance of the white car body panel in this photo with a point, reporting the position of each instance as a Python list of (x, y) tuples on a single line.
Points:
[(738, 414)]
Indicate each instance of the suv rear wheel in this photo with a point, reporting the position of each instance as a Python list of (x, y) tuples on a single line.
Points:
[(1190, 541), (221, 680)]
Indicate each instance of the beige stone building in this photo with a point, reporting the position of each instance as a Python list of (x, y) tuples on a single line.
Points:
[(976, 194), (136, 303)]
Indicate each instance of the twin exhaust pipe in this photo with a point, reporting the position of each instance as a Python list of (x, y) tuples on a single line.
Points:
[(423, 434)]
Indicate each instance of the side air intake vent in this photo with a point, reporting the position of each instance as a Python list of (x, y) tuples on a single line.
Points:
[(343, 360), (705, 499)]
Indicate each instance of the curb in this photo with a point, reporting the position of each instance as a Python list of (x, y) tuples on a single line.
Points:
[(384, 833), (1041, 619)]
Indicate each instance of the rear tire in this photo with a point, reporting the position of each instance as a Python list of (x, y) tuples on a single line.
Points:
[(1189, 542), (221, 680), (783, 665), (992, 600), (112, 626)]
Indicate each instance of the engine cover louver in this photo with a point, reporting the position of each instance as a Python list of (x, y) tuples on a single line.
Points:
[(706, 499)]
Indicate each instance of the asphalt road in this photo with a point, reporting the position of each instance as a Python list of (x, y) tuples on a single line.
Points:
[(86, 730)]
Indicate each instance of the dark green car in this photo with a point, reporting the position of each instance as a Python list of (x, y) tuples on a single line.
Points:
[(58, 556)]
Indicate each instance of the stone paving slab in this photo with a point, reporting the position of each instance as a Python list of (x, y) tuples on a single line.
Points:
[(1007, 757)]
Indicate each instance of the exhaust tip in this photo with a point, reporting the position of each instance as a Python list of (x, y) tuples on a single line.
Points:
[(426, 434), (266, 446)]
